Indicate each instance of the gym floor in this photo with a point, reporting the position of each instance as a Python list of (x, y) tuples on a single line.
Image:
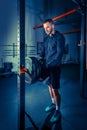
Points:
[(73, 105)]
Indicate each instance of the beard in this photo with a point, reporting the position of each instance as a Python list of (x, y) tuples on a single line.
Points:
[(49, 32)]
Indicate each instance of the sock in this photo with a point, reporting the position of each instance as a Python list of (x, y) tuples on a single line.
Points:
[(57, 107), (53, 100)]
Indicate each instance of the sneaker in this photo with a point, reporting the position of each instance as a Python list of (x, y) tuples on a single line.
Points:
[(56, 116), (50, 108)]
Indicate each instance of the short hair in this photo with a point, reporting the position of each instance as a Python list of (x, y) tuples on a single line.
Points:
[(48, 20)]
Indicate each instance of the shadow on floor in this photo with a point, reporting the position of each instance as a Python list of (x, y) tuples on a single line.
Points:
[(47, 125)]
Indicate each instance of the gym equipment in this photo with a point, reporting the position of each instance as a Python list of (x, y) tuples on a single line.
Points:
[(6, 70), (58, 17), (21, 43), (34, 69)]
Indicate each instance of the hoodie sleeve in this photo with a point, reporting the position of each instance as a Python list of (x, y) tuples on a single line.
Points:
[(60, 48)]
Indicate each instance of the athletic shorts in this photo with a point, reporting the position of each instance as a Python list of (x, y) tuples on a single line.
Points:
[(52, 77)]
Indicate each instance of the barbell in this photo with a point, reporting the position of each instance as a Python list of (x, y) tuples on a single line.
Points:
[(34, 69)]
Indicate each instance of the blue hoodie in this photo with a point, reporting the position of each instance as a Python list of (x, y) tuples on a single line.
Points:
[(53, 49)]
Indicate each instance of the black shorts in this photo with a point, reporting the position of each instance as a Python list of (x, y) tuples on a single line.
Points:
[(52, 77)]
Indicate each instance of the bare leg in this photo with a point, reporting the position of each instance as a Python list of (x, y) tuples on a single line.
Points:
[(56, 96), (54, 93), (51, 91), (52, 106), (56, 116)]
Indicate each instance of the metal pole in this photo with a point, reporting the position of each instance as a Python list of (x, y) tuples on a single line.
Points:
[(83, 49), (21, 86), (58, 17)]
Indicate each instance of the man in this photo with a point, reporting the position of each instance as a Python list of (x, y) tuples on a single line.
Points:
[(53, 50)]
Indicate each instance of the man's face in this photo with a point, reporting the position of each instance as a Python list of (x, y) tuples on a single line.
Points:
[(48, 27)]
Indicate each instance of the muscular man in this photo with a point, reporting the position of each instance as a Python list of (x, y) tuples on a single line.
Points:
[(53, 50)]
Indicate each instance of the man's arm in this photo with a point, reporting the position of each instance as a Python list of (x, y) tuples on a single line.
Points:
[(57, 58)]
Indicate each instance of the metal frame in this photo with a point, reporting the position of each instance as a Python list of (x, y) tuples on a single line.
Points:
[(21, 85), (83, 48)]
